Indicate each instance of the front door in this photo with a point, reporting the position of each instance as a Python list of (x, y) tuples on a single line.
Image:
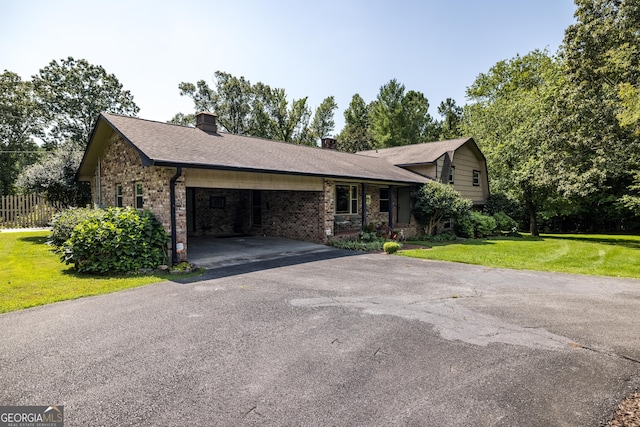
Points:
[(404, 205)]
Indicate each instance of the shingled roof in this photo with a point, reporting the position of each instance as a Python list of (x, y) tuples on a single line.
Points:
[(162, 144), (416, 154)]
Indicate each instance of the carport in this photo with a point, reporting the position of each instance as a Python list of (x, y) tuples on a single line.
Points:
[(224, 204)]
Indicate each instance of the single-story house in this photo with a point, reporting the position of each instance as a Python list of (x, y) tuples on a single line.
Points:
[(198, 181)]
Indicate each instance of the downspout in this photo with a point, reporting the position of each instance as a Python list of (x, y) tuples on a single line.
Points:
[(172, 201)]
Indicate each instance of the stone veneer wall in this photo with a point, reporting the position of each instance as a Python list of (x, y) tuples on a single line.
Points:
[(121, 164), (328, 208)]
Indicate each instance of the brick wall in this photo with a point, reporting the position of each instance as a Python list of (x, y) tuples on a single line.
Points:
[(293, 215), (214, 220), (121, 165)]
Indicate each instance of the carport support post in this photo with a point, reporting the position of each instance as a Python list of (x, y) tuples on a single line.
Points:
[(364, 205), (172, 201), (391, 207)]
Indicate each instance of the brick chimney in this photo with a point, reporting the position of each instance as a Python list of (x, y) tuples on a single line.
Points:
[(329, 143), (207, 122)]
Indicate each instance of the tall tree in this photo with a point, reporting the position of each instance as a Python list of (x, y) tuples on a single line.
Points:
[(71, 93), (596, 156), (356, 134), (451, 119), (387, 120), (18, 121), (323, 123), (401, 119), (507, 116)]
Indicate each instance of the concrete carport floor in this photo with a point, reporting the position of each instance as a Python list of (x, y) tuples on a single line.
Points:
[(215, 252)]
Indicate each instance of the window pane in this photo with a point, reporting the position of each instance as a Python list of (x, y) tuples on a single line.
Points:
[(342, 198), (384, 200), (139, 199), (354, 199)]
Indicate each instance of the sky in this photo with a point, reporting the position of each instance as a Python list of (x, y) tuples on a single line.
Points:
[(311, 49)]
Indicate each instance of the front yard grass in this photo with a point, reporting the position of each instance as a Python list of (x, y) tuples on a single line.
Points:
[(590, 254), (31, 274)]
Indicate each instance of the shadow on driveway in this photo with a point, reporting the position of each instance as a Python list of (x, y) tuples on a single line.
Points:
[(251, 254)]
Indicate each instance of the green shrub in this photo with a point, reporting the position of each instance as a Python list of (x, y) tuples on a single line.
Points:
[(435, 201), (64, 222), (447, 236), (504, 222), (368, 236), (357, 245), (485, 225), (391, 247), (475, 225), (464, 225), (116, 240)]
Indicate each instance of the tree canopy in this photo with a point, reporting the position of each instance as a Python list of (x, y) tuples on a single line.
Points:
[(58, 106), (258, 110), (71, 93), (508, 118), (399, 118), (356, 134), (18, 122)]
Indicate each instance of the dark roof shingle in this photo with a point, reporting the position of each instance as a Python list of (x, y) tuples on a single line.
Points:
[(165, 144), (415, 154)]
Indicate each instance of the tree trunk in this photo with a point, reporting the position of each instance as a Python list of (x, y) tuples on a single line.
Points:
[(533, 222)]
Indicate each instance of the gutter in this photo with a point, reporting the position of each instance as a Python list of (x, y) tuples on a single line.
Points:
[(172, 201)]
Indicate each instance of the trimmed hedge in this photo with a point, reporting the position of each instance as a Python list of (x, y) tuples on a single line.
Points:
[(391, 247), (116, 240)]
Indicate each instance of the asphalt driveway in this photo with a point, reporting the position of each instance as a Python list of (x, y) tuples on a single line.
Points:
[(333, 339)]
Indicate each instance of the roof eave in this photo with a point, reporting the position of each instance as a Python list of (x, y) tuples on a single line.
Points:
[(167, 163)]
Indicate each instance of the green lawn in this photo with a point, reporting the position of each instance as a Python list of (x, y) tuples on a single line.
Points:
[(592, 254), (31, 274)]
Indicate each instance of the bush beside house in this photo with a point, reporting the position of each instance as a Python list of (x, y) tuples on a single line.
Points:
[(113, 240)]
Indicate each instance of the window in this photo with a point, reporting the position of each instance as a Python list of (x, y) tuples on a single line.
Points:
[(119, 196), (476, 178), (346, 199), (139, 195), (384, 200), (452, 174)]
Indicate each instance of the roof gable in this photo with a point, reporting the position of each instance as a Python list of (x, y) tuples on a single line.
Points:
[(163, 144), (424, 153)]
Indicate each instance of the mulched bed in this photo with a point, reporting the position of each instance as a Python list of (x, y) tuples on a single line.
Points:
[(628, 413), (406, 247)]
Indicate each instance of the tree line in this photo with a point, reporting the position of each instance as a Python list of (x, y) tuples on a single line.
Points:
[(560, 131)]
